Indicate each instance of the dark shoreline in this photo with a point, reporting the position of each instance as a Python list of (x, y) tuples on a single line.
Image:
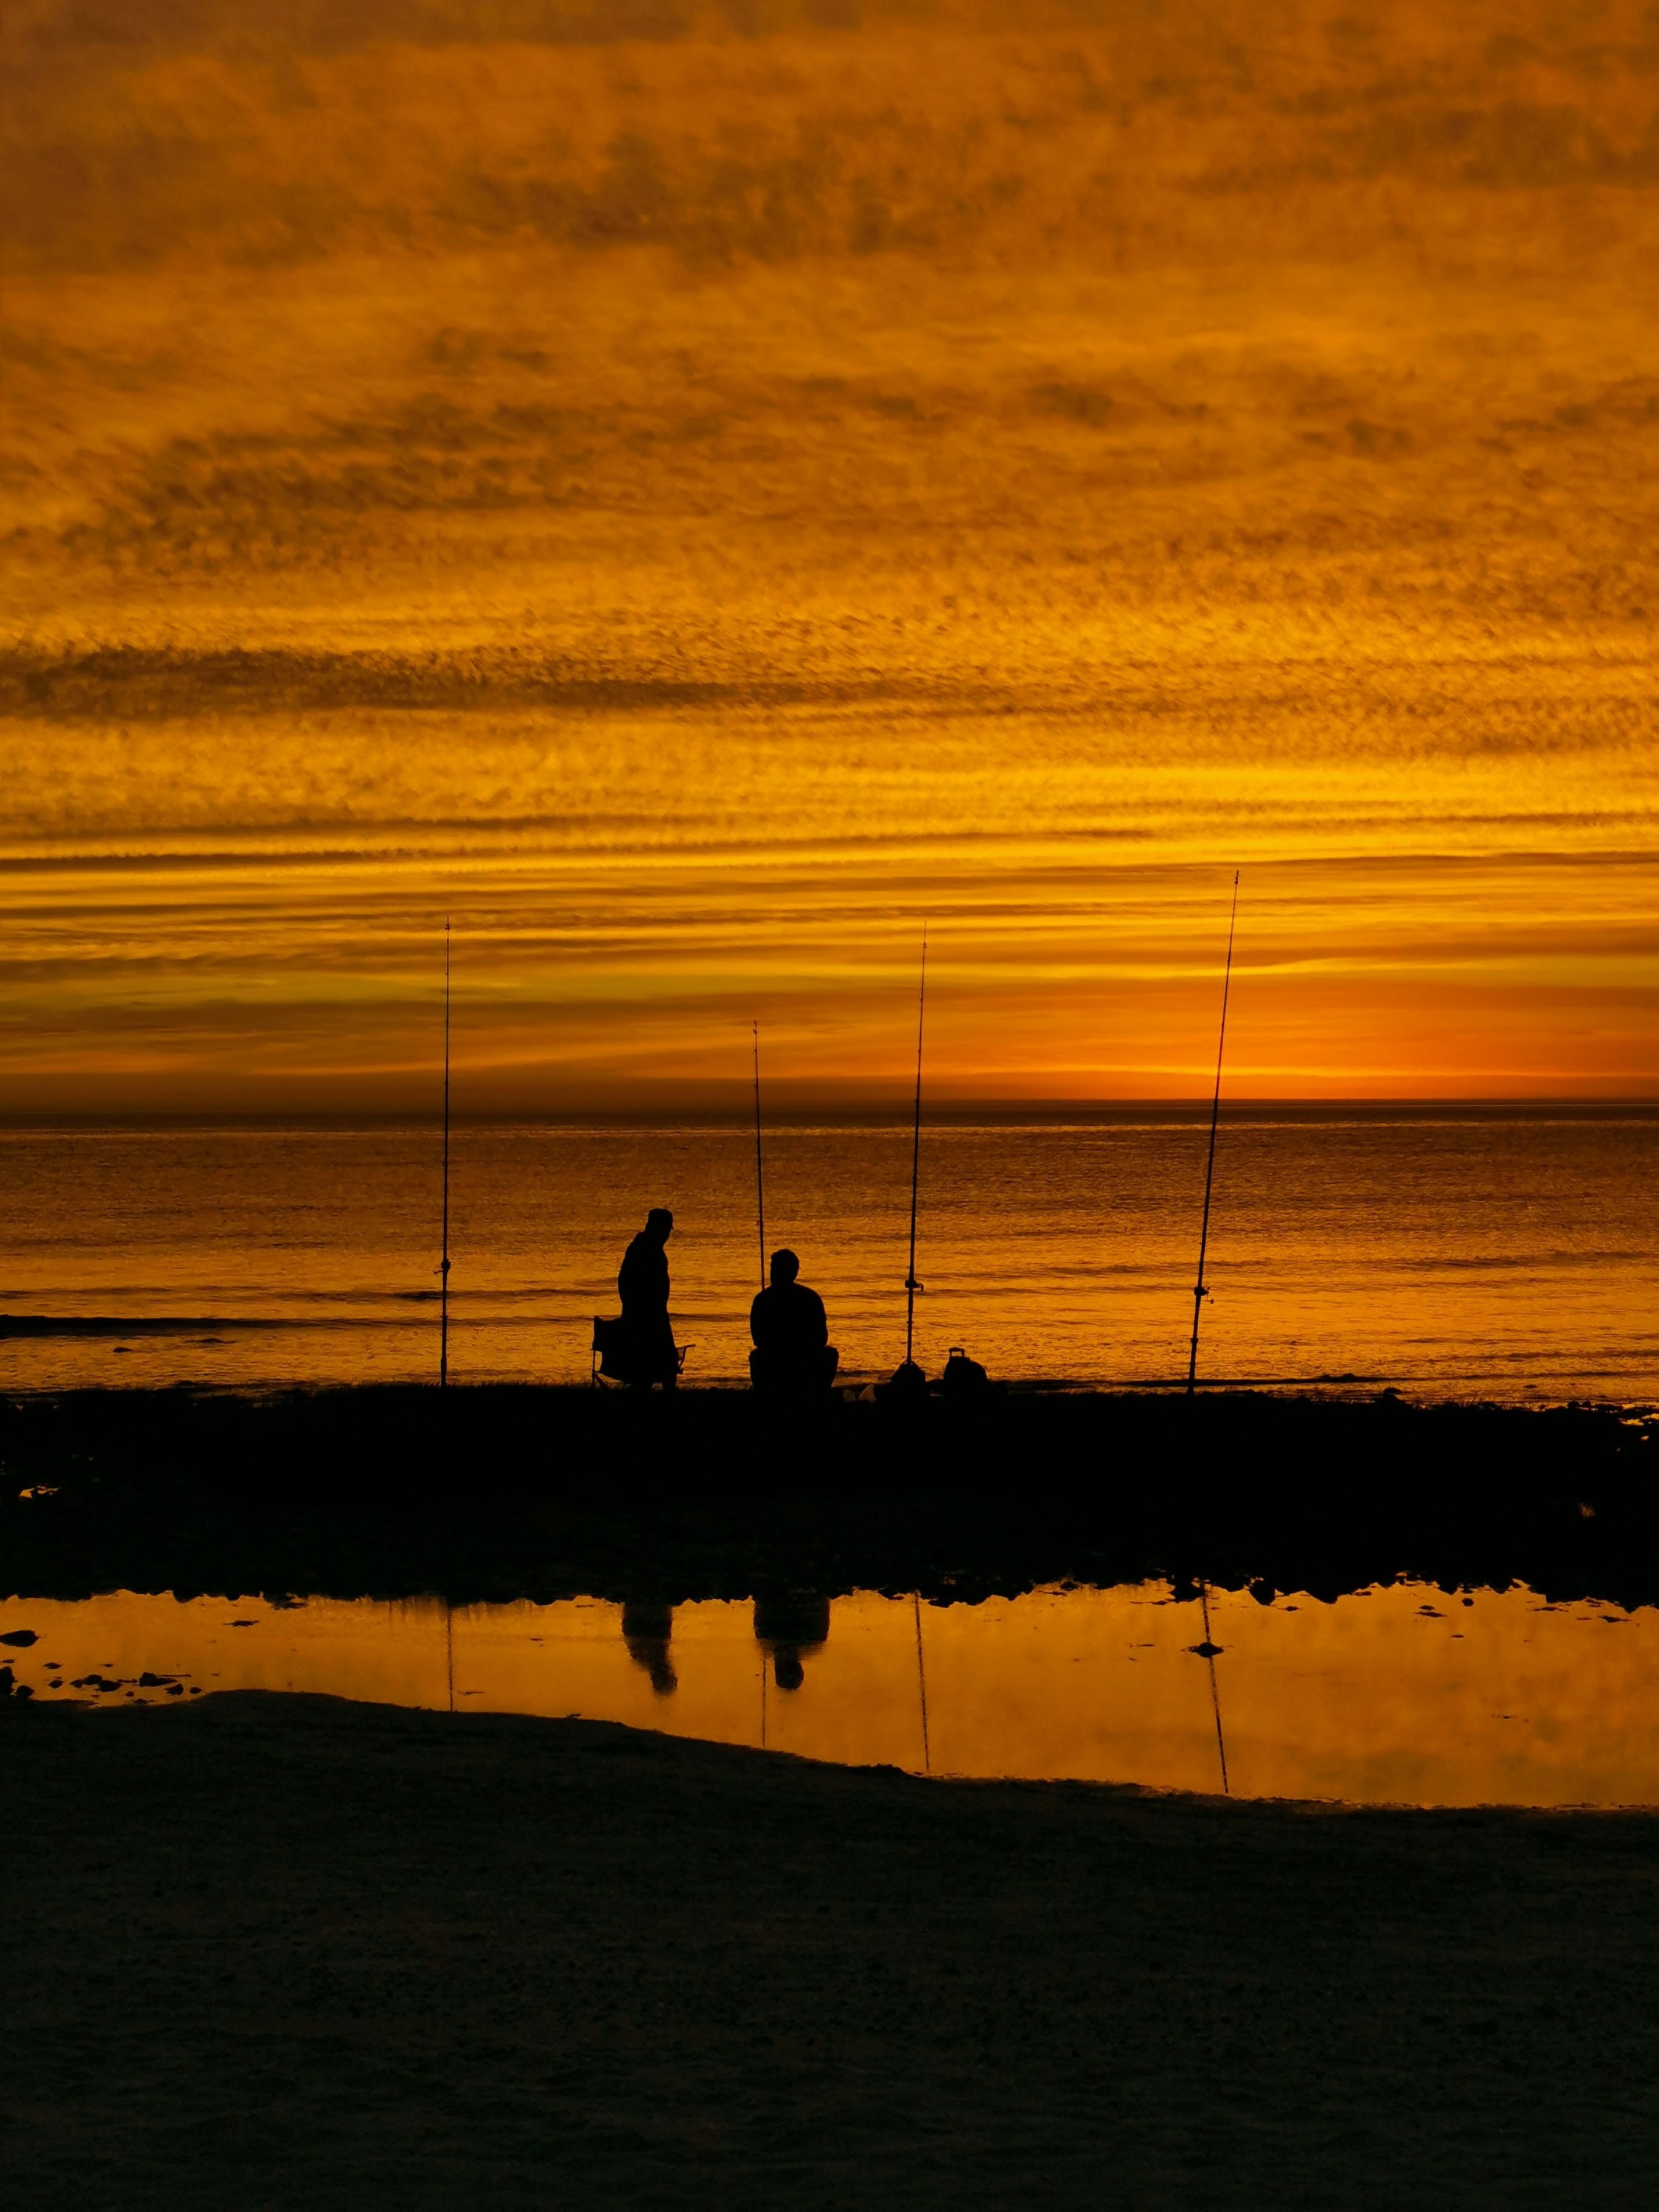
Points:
[(487, 1493)]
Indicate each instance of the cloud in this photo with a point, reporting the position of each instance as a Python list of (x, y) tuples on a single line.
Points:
[(689, 490)]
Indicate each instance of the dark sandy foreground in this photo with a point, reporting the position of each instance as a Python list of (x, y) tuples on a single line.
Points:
[(285, 1952)]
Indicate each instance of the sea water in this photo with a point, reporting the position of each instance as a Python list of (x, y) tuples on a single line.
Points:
[(1503, 1253)]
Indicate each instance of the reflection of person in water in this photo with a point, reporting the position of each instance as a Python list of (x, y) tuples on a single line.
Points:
[(642, 1283), (789, 1628), (792, 1352), (647, 1630)]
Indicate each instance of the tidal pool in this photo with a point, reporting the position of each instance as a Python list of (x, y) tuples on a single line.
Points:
[(1401, 1693)]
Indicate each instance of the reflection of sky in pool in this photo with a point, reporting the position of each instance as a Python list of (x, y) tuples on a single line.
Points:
[(1401, 1693)]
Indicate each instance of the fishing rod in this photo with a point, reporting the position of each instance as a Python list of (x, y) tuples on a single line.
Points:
[(911, 1286), (1199, 1290), (760, 1176), (443, 1264)]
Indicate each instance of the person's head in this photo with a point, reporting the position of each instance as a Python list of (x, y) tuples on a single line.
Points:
[(785, 1268), (659, 1224)]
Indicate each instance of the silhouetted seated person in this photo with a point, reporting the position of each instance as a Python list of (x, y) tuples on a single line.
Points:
[(792, 1355), (640, 1349)]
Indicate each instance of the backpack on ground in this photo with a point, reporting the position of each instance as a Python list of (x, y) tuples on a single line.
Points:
[(962, 1376)]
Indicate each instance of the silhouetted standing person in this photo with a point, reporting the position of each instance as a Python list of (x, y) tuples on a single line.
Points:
[(792, 1352), (642, 1285)]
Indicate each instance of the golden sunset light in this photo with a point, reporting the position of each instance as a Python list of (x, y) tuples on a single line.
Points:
[(691, 492), (829, 1105)]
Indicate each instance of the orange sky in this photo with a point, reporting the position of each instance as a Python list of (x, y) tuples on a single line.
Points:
[(692, 501)]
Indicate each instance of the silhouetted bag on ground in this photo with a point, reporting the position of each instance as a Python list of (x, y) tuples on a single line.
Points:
[(962, 1377), (906, 1381)]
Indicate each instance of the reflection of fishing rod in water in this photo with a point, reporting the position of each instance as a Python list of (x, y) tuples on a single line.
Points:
[(443, 1264), (760, 1178), (921, 1689), (1210, 1650), (911, 1286), (1200, 1290)]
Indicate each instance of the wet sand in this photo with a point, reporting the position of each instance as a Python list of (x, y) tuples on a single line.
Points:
[(286, 1952)]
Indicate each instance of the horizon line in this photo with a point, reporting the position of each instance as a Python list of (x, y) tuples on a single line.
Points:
[(693, 1111)]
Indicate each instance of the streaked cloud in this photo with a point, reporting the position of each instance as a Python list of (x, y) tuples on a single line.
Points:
[(688, 491)]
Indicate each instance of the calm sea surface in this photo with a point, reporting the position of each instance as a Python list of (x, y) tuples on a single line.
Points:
[(1508, 1253)]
